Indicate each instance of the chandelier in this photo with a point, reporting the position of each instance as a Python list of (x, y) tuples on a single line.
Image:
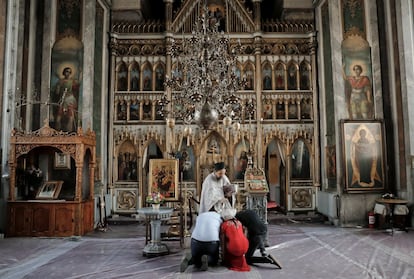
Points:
[(204, 83)]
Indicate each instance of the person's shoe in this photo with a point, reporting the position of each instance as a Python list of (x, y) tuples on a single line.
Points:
[(204, 263), (263, 252), (184, 264)]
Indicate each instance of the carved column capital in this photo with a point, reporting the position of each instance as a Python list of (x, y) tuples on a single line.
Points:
[(113, 46)]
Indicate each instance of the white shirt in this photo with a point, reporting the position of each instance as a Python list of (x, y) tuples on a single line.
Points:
[(207, 227), (212, 191)]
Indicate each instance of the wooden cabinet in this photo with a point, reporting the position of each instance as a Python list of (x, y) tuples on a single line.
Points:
[(54, 218), (72, 213)]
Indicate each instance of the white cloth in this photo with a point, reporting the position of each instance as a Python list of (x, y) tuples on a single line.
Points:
[(380, 209), (400, 209), (212, 191), (207, 227), (227, 211)]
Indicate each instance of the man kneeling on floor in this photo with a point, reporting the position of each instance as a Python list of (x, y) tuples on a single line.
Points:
[(256, 234), (205, 242)]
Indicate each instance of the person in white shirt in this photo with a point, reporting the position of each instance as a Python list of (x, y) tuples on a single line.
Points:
[(205, 241)]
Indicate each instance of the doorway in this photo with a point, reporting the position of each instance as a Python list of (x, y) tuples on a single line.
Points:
[(275, 170)]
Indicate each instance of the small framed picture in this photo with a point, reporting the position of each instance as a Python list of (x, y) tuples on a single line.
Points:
[(62, 161), (49, 190)]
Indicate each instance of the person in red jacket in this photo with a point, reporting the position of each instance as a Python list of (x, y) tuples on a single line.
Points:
[(233, 242)]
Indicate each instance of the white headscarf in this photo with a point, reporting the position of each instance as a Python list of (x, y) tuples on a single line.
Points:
[(227, 212)]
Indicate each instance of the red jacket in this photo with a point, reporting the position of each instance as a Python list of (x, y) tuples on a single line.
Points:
[(235, 245)]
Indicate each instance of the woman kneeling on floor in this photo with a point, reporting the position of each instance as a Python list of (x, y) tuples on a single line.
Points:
[(233, 242)]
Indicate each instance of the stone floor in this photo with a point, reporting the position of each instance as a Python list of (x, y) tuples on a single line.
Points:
[(305, 248)]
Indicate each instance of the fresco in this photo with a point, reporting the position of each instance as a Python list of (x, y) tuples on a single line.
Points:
[(66, 69), (356, 63)]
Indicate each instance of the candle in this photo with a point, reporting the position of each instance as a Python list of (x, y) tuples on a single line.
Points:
[(250, 129), (244, 142), (181, 142), (185, 208), (214, 149), (181, 185), (102, 198)]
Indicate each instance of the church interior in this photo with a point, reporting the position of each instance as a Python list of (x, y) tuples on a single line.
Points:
[(111, 108)]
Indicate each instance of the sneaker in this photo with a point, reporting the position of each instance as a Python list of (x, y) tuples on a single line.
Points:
[(204, 263)]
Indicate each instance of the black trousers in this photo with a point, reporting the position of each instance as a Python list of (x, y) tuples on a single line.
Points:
[(256, 241), (209, 248)]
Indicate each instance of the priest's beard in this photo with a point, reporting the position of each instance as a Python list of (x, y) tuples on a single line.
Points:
[(218, 178)]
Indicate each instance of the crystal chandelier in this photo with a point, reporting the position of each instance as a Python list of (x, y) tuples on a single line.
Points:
[(204, 84)]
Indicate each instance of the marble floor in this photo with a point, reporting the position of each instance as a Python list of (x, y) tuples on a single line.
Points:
[(305, 250)]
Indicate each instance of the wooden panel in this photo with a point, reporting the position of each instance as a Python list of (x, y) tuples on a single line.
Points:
[(42, 219), (22, 219), (64, 222), (19, 220), (88, 216)]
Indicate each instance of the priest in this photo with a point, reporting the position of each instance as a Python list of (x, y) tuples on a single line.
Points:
[(212, 194)]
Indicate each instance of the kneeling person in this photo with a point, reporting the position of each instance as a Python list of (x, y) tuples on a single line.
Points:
[(205, 240), (256, 234), (256, 231), (233, 242)]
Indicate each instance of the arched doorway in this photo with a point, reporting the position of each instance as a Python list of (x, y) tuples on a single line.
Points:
[(275, 170)]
